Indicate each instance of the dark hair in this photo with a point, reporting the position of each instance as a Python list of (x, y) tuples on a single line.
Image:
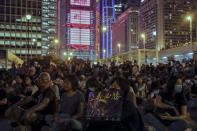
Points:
[(73, 80), (123, 83), (171, 84), (93, 83), (155, 85)]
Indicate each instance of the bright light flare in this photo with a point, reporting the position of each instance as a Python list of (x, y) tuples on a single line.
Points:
[(56, 41), (143, 36), (28, 17), (189, 18)]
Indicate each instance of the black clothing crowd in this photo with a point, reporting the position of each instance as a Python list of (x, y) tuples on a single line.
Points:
[(56, 97)]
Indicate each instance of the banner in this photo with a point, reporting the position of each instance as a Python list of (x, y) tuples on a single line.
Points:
[(105, 105)]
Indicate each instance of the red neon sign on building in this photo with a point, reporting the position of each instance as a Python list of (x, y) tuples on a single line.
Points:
[(80, 30), (80, 17), (80, 2), (80, 36)]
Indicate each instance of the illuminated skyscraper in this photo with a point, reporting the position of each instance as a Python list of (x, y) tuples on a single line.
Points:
[(123, 5), (164, 23), (77, 28), (125, 32), (49, 26), (22, 36)]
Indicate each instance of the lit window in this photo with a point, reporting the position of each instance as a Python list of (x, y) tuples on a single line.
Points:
[(23, 51), (12, 51), (1, 42), (17, 51), (1, 33), (7, 34)]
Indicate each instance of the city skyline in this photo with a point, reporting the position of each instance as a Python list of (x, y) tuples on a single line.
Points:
[(95, 29)]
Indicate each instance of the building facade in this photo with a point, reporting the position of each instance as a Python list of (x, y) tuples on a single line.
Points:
[(77, 29), (21, 36), (123, 5), (164, 23), (49, 26), (125, 32)]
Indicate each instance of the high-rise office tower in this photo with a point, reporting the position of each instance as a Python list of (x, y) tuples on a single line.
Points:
[(125, 32), (77, 28), (20, 27), (164, 22), (49, 27), (123, 5)]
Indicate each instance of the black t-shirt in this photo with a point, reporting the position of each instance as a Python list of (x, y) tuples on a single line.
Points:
[(2, 94), (18, 89), (194, 89), (178, 100), (40, 96)]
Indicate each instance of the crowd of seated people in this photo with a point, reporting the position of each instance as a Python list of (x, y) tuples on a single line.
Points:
[(55, 98)]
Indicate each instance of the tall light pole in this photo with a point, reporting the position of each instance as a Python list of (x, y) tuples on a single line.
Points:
[(119, 45), (144, 43), (104, 29), (104, 51), (28, 17), (69, 55), (189, 18), (56, 41), (34, 44)]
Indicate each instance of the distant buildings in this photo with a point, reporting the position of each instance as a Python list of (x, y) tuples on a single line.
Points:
[(164, 23), (125, 32), (49, 26), (77, 29), (21, 36), (123, 5)]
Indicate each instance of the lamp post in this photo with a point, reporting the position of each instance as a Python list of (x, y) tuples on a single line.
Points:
[(69, 55), (28, 17), (104, 51), (34, 44), (56, 41), (144, 43), (104, 29), (189, 18), (119, 45)]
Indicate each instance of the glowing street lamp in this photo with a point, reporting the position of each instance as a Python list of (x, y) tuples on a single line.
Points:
[(56, 41), (143, 36), (68, 58), (154, 33), (144, 43), (28, 17), (33, 40), (189, 18), (104, 29), (119, 45), (71, 53), (65, 53)]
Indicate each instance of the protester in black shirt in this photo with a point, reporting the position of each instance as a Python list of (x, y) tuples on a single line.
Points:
[(175, 103), (3, 101), (45, 103)]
